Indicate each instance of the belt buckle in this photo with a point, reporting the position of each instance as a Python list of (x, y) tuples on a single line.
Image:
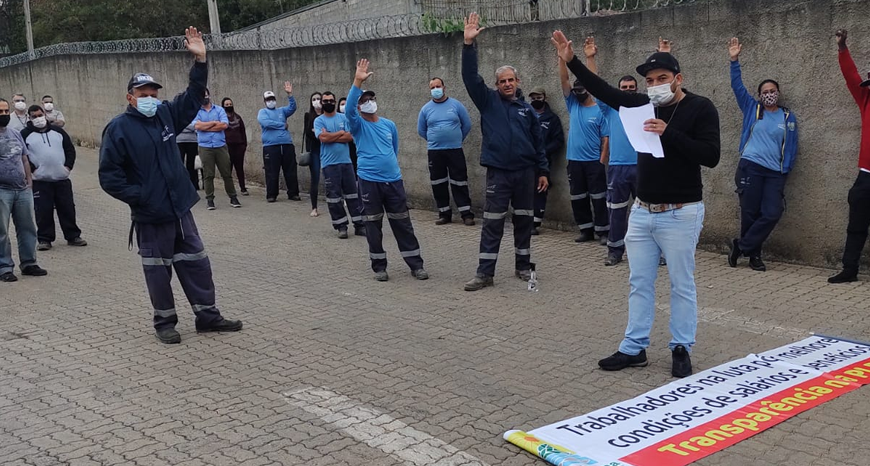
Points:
[(658, 208)]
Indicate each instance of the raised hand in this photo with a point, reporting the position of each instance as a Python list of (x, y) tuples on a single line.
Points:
[(194, 44), (472, 28), (564, 47), (589, 47), (665, 45), (734, 48), (362, 71), (288, 87), (841, 35)]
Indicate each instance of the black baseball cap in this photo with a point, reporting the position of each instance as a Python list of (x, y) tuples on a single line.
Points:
[(142, 79), (659, 60), (367, 92)]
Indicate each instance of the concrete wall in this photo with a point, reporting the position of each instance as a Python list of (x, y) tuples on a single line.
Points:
[(340, 10), (791, 41)]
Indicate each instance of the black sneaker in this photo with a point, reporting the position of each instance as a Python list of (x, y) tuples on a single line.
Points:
[(584, 237), (612, 259), (757, 264), (342, 233), (34, 271), (468, 221), (619, 361), (168, 336), (682, 363), (602, 240), (535, 231), (43, 246), (77, 242), (234, 201), (220, 325), (443, 221), (270, 199), (524, 275), (359, 231), (382, 276), (245, 192), (211, 205), (294, 198), (735, 253), (846, 276), (8, 277)]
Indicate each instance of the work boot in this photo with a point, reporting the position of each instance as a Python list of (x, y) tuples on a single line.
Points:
[(735, 253), (8, 277), (535, 231), (757, 264), (420, 274), (612, 259), (270, 199), (681, 362), (382, 276), (210, 204), (219, 325), (478, 282), (584, 237), (342, 232), (76, 242), (34, 271), (524, 275), (234, 201), (359, 230), (168, 336), (468, 221), (846, 276), (43, 246), (602, 240), (294, 198), (619, 361), (443, 221)]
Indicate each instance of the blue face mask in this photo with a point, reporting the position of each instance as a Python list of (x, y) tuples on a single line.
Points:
[(437, 93), (147, 106)]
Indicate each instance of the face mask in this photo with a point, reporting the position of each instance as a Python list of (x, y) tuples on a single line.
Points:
[(206, 100), (537, 104), (329, 107), (20, 106), (39, 122), (316, 104), (437, 92), (48, 106), (4, 120), (581, 96), (341, 108), (770, 99), (271, 104), (660, 95), (369, 107), (229, 109), (147, 106)]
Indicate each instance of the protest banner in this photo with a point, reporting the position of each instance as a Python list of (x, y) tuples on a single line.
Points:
[(691, 418)]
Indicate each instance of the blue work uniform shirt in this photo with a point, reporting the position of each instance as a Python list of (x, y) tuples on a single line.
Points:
[(211, 139)]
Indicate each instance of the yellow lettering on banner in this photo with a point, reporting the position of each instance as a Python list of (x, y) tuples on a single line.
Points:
[(856, 372), (746, 424), (703, 441), (758, 417), (688, 446), (836, 384), (673, 449), (718, 435), (777, 406)]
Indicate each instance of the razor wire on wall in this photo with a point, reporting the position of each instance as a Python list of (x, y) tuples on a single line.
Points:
[(438, 16)]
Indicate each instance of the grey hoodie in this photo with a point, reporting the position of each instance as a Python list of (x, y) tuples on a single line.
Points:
[(52, 153)]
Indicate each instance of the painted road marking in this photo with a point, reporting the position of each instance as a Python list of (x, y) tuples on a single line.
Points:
[(379, 430)]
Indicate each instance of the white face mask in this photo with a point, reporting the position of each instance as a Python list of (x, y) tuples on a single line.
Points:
[(39, 122), (341, 108), (48, 106), (369, 107), (660, 95), (20, 106), (316, 104), (271, 104)]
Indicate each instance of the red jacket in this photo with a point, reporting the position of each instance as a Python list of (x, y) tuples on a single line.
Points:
[(862, 98)]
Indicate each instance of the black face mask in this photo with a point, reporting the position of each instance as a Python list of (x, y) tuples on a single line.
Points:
[(581, 96), (205, 100), (229, 109), (537, 104), (4, 120), (328, 107)]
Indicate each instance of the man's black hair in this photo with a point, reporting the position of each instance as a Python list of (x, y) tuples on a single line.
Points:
[(627, 78), (328, 93), (436, 77), (34, 108)]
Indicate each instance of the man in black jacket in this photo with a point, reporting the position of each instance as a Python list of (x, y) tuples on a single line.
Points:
[(554, 141), (513, 154), (140, 165), (669, 211)]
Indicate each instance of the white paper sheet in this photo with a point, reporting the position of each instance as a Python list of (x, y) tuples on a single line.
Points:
[(642, 141)]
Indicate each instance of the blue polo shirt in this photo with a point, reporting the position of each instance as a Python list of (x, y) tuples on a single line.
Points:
[(621, 150), (211, 139), (585, 131), (377, 143), (765, 144), (444, 125), (332, 153)]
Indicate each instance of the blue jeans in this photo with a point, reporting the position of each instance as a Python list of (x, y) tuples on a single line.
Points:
[(17, 206), (762, 202), (675, 234)]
